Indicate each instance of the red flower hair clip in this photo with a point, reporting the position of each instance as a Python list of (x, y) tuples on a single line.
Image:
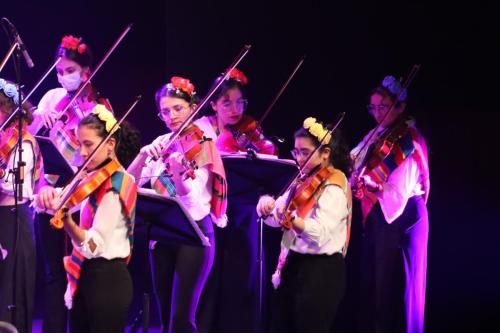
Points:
[(238, 75), (182, 84), (73, 43)]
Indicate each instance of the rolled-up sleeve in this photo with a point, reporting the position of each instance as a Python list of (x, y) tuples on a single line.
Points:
[(107, 220)]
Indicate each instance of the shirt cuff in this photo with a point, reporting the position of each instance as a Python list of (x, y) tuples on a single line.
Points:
[(84, 247)]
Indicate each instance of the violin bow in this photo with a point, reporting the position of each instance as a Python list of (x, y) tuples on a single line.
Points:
[(285, 85), (405, 86)]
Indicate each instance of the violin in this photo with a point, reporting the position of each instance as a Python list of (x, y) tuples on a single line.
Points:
[(80, 188), (243, 136), (189, 144), (384, 145), (301, 193)]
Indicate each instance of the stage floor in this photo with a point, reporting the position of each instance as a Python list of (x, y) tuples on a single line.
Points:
[(37, 327)]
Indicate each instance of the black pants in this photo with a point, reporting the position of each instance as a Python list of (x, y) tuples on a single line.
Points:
[(311, 289), (103, 297), (180, 272), (24, 259), (52, 246), (393, 270)]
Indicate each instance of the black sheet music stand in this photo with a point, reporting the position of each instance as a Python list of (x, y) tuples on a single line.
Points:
[(165, 220), (54, 162), (265, 174), (251, 176)]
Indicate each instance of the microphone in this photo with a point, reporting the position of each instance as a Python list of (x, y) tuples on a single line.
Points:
[(19, 41)]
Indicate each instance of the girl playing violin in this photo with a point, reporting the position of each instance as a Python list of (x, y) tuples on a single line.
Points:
[(232, 308), (230, 127), (314, 243), (180, 271), (99, 289), (393, 188), (72, 71), (17, 252)]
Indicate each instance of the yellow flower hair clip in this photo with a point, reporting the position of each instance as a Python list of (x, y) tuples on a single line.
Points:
[(317, 130), (106, 116)]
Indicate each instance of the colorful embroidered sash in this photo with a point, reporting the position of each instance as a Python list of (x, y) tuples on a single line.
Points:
[(64, 139), (123, 184), (164, 185), (412, 143)]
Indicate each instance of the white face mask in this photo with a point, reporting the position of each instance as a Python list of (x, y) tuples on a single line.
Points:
[(70, 82)]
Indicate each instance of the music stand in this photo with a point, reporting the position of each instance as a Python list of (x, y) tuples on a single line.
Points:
[(163, 219), (249, 177), (265, 174), (54, 162)]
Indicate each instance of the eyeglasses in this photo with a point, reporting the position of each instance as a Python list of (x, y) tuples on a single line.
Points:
[(240, 104), (168, 111), (296, 153), (381, 107)]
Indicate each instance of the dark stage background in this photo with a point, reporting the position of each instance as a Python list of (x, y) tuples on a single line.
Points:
[(350, 46)]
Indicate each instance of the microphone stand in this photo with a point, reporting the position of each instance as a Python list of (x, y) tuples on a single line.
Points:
[(260, 271), (18, 172)]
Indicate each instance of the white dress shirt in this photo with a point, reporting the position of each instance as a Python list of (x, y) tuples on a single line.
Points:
[(325, 229), (109, 230)]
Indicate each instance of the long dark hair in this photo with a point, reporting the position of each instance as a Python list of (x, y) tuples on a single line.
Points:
[(224, 87), (339, 151), (127, 137)]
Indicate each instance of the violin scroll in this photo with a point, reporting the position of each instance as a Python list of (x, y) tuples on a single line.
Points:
[(57, 220)]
